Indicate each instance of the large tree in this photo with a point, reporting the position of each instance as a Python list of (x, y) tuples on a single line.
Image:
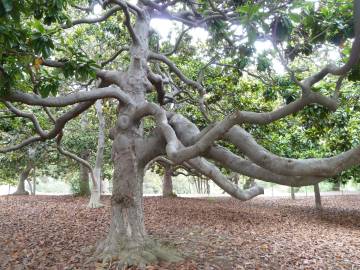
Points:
[(33, 48)]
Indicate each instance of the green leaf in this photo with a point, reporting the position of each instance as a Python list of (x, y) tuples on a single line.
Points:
[(295, 17), (37, 24), (44, 91)]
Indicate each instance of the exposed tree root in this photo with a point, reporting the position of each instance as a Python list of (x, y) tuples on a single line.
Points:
[(95, 200), (126, 254), (95, 205)]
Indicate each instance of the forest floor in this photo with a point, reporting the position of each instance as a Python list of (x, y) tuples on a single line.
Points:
[(50, 232)]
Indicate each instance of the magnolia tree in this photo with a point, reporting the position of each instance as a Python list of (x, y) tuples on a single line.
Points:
[(234, 26)]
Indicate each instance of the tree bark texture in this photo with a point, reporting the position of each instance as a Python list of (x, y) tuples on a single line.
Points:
[(127, 241), (96, 187), (20, 190)]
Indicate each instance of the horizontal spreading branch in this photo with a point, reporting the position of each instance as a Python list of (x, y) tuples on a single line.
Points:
[(84, 100), (283, 174), (218, 130), (61, 101), (246, 167), (324, 167)]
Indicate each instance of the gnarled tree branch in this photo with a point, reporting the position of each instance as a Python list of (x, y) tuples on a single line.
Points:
[(61, 101)]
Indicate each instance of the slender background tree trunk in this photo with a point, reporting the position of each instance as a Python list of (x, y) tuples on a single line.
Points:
[(317, 196), (167, 182), (292, 190), (336, 186), (84, 188), (96, 187), (23, 176)]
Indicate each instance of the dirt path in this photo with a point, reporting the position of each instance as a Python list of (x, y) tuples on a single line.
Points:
[(48, 232)]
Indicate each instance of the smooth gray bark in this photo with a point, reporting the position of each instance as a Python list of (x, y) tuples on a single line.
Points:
[(127, 223), (20, 190), (96, 187)]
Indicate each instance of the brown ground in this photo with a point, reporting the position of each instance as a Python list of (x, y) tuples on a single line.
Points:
[(46, 232)]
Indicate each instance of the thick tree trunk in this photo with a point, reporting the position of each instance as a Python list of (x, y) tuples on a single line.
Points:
[(167, 182), (127, 224), (21, 184), (317, 196), (127, 240)]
